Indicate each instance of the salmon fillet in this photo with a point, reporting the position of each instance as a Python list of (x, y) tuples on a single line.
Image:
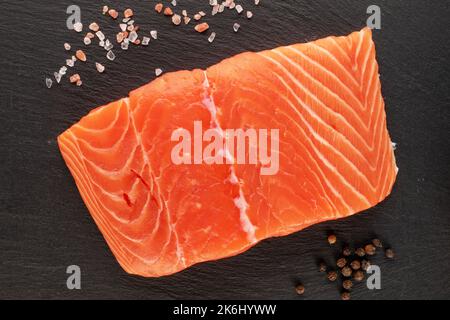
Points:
[(335, 154)]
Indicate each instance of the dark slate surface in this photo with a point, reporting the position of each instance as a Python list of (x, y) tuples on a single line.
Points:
[(44, 225)]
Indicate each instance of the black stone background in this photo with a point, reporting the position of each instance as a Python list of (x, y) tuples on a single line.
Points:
[(44, 225)]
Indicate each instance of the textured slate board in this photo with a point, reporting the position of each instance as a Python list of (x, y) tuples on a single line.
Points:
[(44, 225)]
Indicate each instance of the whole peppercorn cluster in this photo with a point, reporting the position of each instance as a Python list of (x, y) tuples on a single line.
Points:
[(352, 265)]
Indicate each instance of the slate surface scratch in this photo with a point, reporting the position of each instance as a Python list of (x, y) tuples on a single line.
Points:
[(44, 225)]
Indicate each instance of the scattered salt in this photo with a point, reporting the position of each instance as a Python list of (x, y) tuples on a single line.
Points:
[(174, 3), (236, 27), (239, 8), (158, 72), (70, 63), (67, 46), (123, 27), (249, 14), (154, 34), (87, 41)]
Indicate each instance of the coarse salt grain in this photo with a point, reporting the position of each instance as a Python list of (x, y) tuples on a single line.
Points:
[(176, 19), (74, 78), (48, 82), (202, 27), (81, 55), (168, 11), (94, 27), (110, 55), (145, 41), (100, 35), (113, 13), (159, 7), (212, 37), (100, 67), (57, 76), (158, 72), (87, 41), (249, 14), (239, 8), (67, 46), (236, 27), (154, 34), (128, 13)]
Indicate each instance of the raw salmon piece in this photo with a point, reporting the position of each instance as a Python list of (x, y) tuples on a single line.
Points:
[(336, 156)]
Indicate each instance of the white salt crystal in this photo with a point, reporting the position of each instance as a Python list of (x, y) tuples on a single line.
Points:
[(124, 45), (87, 41), (48, 82), (58, 77), (70, 63), (67, 46), (110, 55), (249, 14), (102, 44), (108, 45), (123, 27), (100, 67), (174, 3), (100, 35), (154, 34), (256, 2), (236, 27), (212, 37), (239, 8), (158, 72), (145, 41), (63, 70), (133, 36)]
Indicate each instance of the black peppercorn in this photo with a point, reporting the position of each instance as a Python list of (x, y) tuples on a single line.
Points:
[(300, 289), (345, 295), (347, 284), (346, 271), (377, 243), (347, 252), (322, 267), (360, 252), (342, 262), (370, 249), (356, 265), (358, 276), (332, 276), (390, 254), (332, 239)]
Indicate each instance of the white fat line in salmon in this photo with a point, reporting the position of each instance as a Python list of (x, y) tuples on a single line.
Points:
[(230, 146)]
